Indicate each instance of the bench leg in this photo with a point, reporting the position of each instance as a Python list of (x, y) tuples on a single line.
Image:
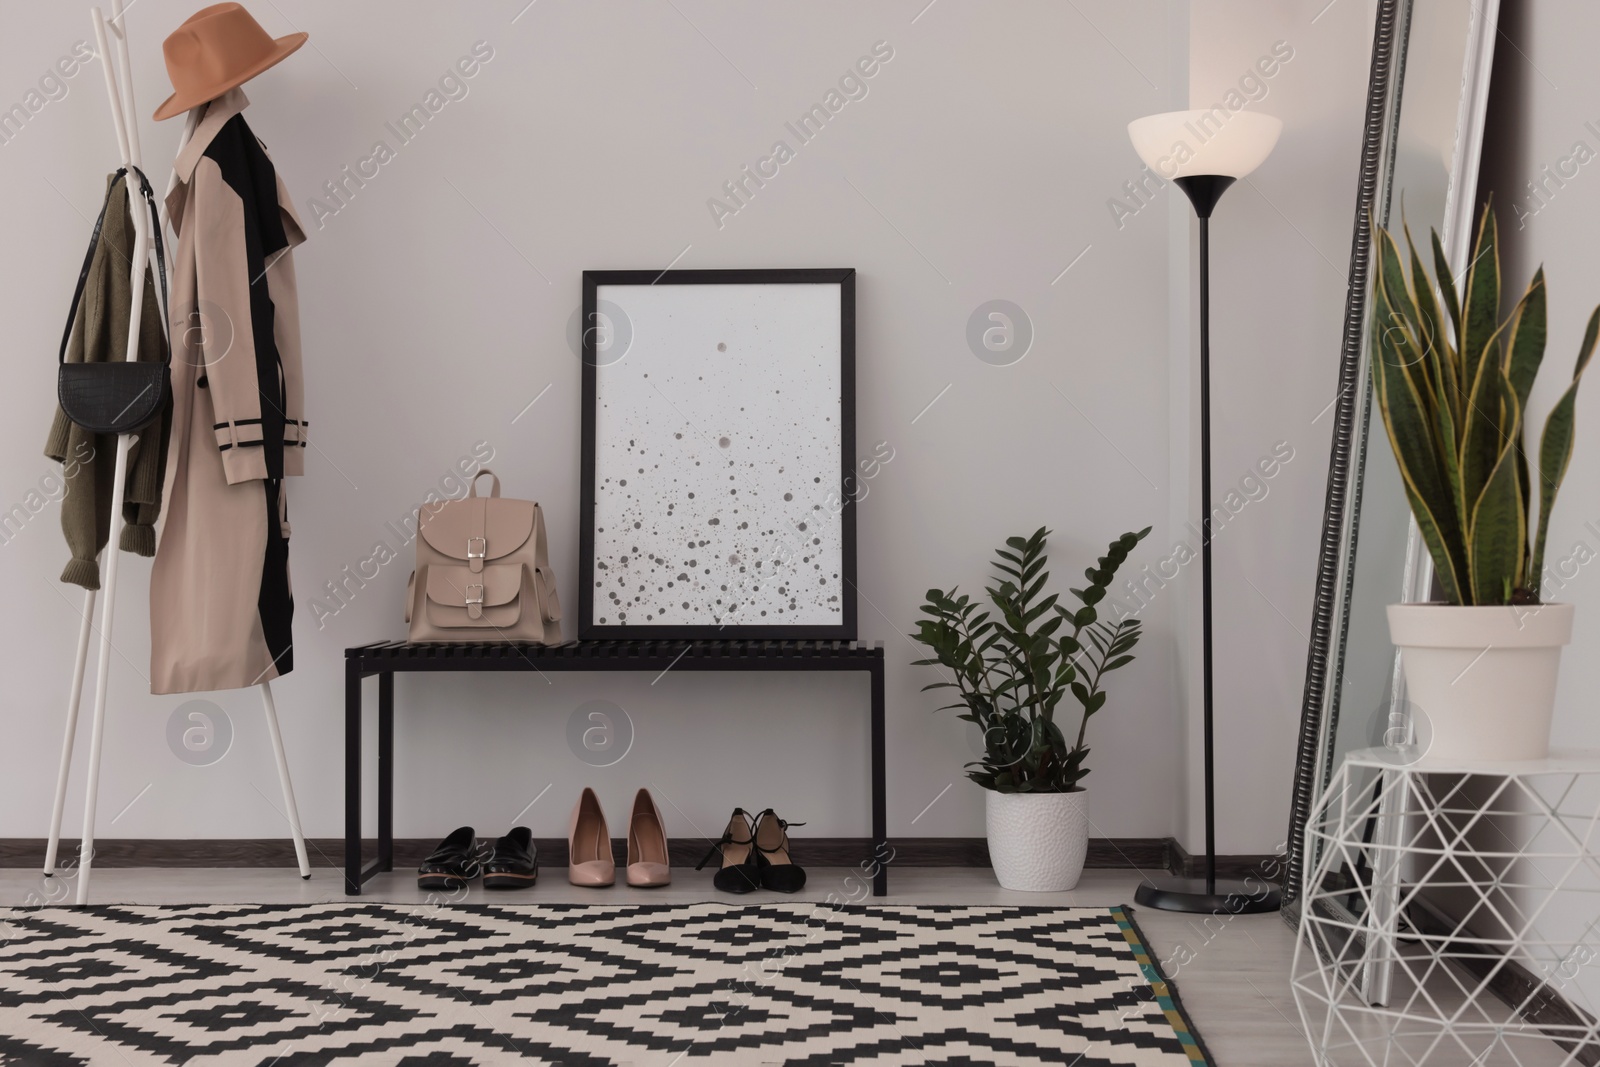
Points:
[(880, 804), (352, 777), (386, 771)]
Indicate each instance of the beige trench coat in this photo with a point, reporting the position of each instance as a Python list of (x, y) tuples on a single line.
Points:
[(220, 605)]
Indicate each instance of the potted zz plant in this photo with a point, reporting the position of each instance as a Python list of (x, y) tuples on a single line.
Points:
[(1453, 387), (1012, 667)]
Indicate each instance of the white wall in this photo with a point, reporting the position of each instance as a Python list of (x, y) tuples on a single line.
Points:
[(1280, 250), (1560, 233), (1541, 111), (435, 303)]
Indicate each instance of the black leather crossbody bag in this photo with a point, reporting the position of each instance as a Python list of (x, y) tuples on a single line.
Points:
[(123, 395)]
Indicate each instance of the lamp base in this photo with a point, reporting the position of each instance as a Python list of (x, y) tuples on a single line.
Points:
[(1223, 897)]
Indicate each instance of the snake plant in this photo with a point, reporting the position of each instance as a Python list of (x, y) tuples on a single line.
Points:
[(1453, 402)]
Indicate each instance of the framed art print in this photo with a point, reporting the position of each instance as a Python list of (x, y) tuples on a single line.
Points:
[(718, 444)]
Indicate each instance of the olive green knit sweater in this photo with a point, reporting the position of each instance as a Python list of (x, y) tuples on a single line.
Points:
[(100, 333)]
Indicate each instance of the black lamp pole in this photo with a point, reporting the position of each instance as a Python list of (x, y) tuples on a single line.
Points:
[(1207, 894)]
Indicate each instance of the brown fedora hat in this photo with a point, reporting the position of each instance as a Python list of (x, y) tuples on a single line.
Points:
[(216, 49)]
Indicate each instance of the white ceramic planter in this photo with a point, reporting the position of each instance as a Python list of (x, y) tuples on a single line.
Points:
[(1483, 678), (1037, 841)]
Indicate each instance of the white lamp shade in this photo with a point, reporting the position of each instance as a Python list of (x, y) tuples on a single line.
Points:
[(1204, 141)]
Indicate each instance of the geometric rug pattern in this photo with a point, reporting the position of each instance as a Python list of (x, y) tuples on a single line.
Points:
[(682, 985)]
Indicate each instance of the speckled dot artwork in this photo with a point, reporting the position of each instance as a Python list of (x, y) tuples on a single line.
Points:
[(717, 459)]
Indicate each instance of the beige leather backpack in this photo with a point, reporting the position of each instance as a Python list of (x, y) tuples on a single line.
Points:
[(483, 572)]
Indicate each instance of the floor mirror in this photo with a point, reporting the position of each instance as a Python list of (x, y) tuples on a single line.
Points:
[(1426, 99)]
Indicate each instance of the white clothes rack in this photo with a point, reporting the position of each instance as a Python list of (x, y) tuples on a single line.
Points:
[(119, 89)]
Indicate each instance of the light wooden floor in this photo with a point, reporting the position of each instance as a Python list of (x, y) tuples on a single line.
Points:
[(1232, 973)]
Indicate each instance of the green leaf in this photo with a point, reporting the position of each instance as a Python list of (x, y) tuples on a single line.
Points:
[(1480, 308), (1526, 338), (1402, 325), (1446, 397), (1447, 287), (1040, 608), (1499, 530), (1485, 431), (1525, 343), (1411, 432), (1555, 451), (1433, 335)]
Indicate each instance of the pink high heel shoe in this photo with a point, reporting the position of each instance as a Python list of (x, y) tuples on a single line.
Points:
[(648, 863), (589, 861)]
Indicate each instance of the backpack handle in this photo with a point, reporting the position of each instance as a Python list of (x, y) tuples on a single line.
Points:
[(494, 490)]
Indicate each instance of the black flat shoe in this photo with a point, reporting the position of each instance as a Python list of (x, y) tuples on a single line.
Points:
[(452, 865), (739, 857), (779, 873), (511, 865)]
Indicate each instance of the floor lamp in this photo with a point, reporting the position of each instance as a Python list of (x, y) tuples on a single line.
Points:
[(1204, 152)]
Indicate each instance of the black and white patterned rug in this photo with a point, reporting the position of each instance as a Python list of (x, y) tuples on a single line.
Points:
[(584, 986)]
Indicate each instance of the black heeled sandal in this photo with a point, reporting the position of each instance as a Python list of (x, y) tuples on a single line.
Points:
[(740, 872), (779, 873)]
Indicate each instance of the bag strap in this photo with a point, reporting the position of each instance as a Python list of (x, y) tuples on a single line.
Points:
[(541, 551), (120, 178), (494, 490)]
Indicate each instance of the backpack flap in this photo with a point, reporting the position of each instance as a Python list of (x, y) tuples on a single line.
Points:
[(488, 598), (478, 529)]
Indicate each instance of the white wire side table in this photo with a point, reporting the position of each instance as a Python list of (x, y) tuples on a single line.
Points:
[(1450, 915)]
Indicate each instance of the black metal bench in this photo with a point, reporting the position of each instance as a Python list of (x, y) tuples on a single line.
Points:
[(388, 658)]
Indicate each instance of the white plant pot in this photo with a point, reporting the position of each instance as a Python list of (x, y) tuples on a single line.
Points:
[(1037, 841), (1482, 678)]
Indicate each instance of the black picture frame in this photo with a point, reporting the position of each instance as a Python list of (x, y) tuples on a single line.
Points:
[(588, 627)]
